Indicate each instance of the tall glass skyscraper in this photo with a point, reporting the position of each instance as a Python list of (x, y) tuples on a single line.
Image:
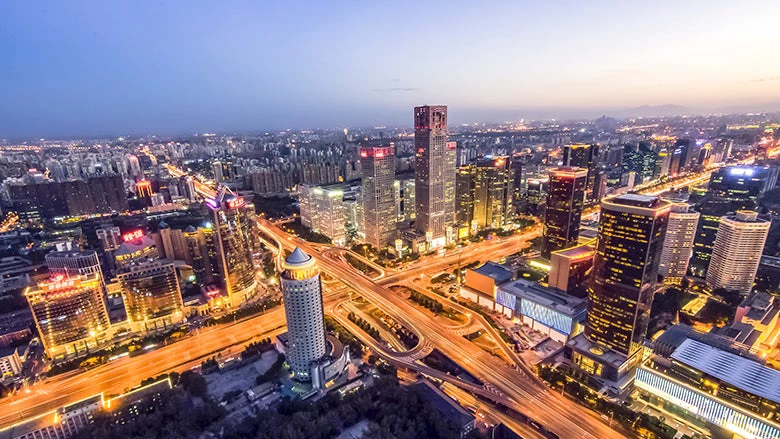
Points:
[(630, 241), (434, 174), (565, 198), (231, 219), (377, 164)]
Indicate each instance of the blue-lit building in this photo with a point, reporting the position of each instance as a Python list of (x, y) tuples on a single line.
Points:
[(712, 383), (547, 310)]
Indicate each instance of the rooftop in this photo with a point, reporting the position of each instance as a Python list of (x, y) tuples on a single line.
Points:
[(549, 297), (497, 272), (297, 257), (741, 372)]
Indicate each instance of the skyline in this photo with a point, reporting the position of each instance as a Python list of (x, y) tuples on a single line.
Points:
[(86, 69)]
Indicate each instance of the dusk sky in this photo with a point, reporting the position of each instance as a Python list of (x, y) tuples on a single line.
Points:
[(116, 67)]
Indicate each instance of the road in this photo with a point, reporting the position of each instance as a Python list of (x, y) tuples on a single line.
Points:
[(563, 417), (128, 372)]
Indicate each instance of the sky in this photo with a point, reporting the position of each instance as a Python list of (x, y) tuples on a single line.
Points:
[(73, 68)]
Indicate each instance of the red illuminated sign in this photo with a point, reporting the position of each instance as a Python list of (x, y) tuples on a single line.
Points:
[(452, 145), (363, 154), (135, 234), (238, 202)]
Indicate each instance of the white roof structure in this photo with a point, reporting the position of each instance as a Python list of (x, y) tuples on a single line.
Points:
[(740, 372)]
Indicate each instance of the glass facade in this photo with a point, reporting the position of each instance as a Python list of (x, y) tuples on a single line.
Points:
[(151, 294), (70, 313), (702, 405), (546, 316), (565, 198), (232, 242), (630, 240)]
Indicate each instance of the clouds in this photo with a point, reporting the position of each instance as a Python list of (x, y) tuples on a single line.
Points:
[(395, 89)]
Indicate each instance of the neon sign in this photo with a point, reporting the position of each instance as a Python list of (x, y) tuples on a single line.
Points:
[(238, 202), (135, 234)]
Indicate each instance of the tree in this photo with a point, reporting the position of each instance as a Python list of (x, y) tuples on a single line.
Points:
[(195, 384)]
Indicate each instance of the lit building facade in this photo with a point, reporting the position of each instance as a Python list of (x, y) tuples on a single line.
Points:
[(484, 194), (678, 244), (70, 313), (570, 269), (565, 199), (304, 312), (322, 210), (713, 385), (736, 254), (377, 164), (434, 174), (232, 222), (151, 295), (630, 241), (583, 155)]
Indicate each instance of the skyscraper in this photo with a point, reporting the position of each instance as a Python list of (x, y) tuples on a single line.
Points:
[(322, 210), (231, 218), (484, 194), (70, 313), (304, 311), (737, 251), (678, 244), (565, 199), (434, 174), (630, 240), (377, 164), (583, 155)]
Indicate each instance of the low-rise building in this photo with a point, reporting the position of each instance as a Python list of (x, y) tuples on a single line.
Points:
[(712, 384), (550, 311), (481, 283), (446, 406)]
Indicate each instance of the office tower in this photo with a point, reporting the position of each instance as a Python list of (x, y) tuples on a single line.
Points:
[(173, 243), (484, 194), (233, 245), (570, 268), (70, 313), (216, 168), (197, 255), (377, 164), (407, 199), (518, 182), (151, 294), (685, 147), (582, 155), (639, 159), (737, 251), (434, 174), (742, 182), (676, 162), (730, 189), (600, 188), (678, 244), (565, 199), (303, 309), (630, 240), (110, 238), (662, 162), (322, 211)]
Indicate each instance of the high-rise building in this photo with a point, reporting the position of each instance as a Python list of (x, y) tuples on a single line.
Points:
[(322, 210), (742, 182), (662, 162), (641, 160), (151, 295), (232, 220), (197, 255), (70, 313), (434, 174), (304, 311), (565, 199), (583, 155), (630, 241), (484, 194), (678, 244), (74, 263), (737, 251), (173, 243), (377, 164), (110, 238), (137, 248), (570, 269)]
